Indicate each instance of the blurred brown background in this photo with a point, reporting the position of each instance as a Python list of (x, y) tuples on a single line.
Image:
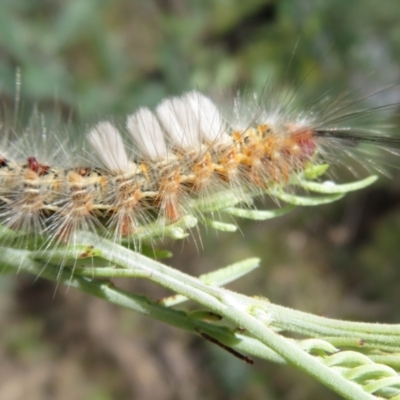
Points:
[(88, 59)]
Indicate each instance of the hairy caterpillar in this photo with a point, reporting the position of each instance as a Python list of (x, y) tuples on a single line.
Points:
[(152, 167)]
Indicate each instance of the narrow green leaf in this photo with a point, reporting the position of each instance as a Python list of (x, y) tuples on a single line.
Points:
[(258, 215), (219, 277), (306, 201), (369, 371), (347, 359), (220, 226), (317, 345), (328, 187), (382, 383)]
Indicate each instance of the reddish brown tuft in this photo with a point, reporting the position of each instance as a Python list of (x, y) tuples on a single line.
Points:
[(304, 138), (35, 166)]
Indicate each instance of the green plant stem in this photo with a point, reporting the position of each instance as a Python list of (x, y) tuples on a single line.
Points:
[(383, 336), (362, 343), (226, 304), (360, 335), (392, 360), (20, 260), (293, 320), (257, 316)]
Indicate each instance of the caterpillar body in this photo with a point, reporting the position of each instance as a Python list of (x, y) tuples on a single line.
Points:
[(152, 168)]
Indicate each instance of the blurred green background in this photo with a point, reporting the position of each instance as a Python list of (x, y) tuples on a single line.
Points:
[(88, 59)]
